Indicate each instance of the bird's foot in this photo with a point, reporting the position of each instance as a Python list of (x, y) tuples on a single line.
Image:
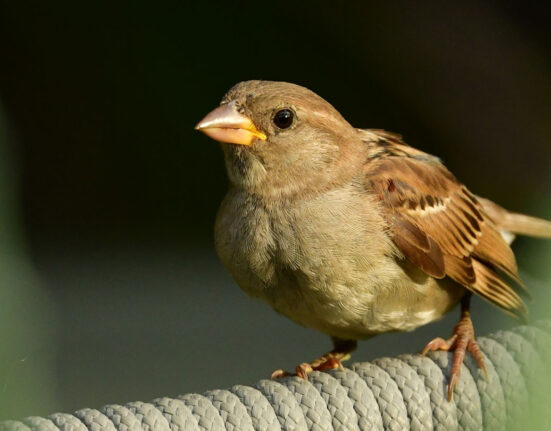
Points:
[(329, 361), (461, 341)]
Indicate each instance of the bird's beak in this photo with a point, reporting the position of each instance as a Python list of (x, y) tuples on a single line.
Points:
[(226, 124)]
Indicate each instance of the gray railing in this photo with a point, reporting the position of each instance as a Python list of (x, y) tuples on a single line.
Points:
[(401, 393)]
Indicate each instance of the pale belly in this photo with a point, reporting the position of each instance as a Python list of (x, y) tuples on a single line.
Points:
[(360, 307), (329, 265)]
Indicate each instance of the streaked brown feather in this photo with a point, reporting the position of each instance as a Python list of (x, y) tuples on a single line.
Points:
[(426, 205), (431, 260), (491, 250), (460, 269), (411, 233), (491, 287)]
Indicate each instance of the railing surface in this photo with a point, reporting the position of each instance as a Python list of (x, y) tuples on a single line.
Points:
[(407, 392)]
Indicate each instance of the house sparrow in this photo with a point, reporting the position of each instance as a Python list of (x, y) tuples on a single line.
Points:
[(351, 231)]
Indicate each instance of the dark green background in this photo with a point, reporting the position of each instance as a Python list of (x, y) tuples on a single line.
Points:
[(110, 289)]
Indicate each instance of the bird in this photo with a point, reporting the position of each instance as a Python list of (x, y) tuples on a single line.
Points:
[(352, 231)]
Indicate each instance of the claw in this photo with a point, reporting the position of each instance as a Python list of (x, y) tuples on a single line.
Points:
[(303, 370), (278, 374), (438, 344), (454, 378), (330, 364), (329, 361), (478, 357), (324, 363), (462, 341)]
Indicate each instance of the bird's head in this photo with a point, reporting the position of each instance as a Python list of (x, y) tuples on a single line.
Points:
[(280, 138)]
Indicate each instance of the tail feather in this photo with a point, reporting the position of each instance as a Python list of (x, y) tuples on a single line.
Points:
[(516, 223), (526, 225)]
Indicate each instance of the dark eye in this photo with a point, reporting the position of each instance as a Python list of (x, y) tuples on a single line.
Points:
[(284, 118)]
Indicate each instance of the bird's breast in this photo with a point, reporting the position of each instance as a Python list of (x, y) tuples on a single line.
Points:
[(327, 262)]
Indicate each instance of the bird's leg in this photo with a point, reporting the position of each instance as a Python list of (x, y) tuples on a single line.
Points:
[(461, 341), (329, 361)]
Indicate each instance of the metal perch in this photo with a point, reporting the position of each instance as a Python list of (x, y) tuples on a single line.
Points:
[(407, 392)]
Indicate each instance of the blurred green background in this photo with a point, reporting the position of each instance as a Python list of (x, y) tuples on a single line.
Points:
[(110, 290)]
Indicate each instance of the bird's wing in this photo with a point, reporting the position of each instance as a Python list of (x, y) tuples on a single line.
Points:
[(438, 224)]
